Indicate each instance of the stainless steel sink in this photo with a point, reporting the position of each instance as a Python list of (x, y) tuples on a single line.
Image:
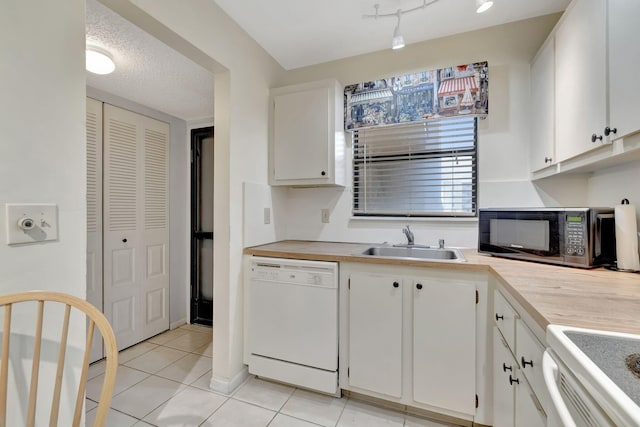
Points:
[(432, 254)]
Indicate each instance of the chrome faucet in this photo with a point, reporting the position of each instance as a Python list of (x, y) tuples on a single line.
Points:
[(407, 232)]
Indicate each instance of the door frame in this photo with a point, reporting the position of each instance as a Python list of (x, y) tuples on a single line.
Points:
[(197, 306)]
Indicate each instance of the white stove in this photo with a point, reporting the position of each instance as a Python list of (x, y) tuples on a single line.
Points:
[(593, 377)]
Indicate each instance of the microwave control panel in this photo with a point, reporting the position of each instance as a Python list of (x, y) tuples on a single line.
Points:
[(574, 233)]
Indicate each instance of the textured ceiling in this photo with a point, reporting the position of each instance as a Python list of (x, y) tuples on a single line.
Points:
[(147, 71), (298, 33)]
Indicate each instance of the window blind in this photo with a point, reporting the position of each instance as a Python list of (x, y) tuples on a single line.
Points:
[(424, 169)]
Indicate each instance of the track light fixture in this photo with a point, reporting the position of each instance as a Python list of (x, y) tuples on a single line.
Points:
[(483, 5), (398, 41)]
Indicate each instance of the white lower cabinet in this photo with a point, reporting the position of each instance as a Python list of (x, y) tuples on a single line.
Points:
[(408, 335), (514, 403), (444, 343), (375, 337), (518, 388)]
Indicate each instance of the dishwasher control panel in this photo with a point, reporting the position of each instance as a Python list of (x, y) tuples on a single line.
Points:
[(292, 274)]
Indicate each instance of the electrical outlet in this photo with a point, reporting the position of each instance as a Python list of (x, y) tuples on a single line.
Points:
[(267, 215), (325, 215)]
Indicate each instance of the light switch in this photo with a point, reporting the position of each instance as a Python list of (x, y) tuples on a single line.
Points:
[(267, 215), (31, 223), (324, 213)]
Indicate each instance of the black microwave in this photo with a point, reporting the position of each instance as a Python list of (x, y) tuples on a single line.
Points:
[(576, 237)]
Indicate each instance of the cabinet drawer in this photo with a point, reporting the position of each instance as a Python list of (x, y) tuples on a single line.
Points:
[(505, 317), (529, 356)]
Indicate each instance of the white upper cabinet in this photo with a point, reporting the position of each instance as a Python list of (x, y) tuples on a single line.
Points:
[(543, 111), (581, 78), (307, 135), (624, 63), (592, 80)]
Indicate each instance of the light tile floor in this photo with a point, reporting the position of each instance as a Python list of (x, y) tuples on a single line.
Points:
[(164, 381)]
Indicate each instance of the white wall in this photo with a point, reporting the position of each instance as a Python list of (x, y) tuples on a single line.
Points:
[(503, 169), (42, 155), (243, 75), (608, 187)]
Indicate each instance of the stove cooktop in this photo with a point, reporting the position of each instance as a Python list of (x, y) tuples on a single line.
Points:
[(601, 361), (614, 356)]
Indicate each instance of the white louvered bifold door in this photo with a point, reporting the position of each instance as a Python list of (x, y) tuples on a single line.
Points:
[(136, 225), (94, 213)]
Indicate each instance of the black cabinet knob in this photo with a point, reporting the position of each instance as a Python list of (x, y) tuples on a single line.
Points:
[(595, 137), (396, 284), (513, 380), (419, 286), (499, 317), (548, 159), (323, 173), (525, 363), (608, 131), (124, 240), (506, 368)]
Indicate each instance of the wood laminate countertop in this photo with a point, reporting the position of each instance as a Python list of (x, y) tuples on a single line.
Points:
[(596, 298)]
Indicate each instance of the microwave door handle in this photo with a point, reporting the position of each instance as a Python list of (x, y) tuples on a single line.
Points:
[(558, 406)]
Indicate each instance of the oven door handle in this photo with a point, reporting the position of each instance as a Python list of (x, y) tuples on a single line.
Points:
[(550, 373)]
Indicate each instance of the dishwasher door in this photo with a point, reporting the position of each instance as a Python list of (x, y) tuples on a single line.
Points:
[(294, 312)]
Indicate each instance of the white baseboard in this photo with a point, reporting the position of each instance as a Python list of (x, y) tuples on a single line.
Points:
[(177, 323), (227, 386)]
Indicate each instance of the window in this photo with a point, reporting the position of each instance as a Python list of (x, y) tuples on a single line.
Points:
[(422, 170)]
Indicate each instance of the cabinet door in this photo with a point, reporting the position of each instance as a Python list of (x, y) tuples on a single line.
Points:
[(444, 344), (529, 353), (301, 134), (529, 412), (581, 66), (624, 62), (375, 333), (505, 371), (542, 108)]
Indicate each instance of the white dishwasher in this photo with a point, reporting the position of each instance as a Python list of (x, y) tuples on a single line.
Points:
[(293, 322)]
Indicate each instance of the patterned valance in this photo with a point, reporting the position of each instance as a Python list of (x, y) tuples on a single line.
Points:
[(416, 97)]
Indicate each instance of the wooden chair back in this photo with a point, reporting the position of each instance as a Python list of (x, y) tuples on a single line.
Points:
[(95, 318)]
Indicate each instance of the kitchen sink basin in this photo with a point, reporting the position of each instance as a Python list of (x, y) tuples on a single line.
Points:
[(431, 254)]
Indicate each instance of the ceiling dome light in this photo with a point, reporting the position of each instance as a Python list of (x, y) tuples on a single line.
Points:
[(483, 5), (99, 61)]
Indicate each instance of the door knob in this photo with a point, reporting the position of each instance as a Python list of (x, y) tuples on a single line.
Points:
[(499, 317), (513, 380), (548, 159), (419, 286), (525, 363), (506, 368), (608, 131), (595, 137), (396, 284), (124, 240)]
